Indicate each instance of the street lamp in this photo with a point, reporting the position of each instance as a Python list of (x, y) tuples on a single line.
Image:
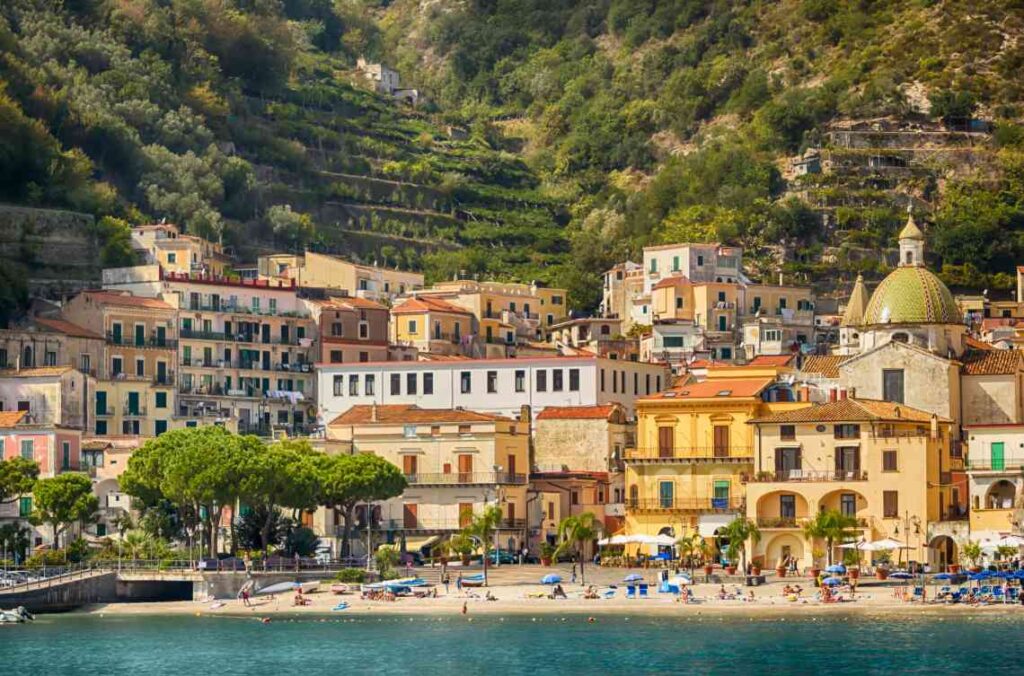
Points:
[(908, 521)]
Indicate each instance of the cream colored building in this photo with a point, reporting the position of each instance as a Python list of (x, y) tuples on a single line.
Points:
[(330, 272), (995, 471), (45, 341), (164, 245), (885, 464), (456, 462)]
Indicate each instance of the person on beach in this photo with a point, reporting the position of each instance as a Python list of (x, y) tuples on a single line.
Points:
[(465, 607), (574, 573), (446, 580), (245, 597), (458, 582)]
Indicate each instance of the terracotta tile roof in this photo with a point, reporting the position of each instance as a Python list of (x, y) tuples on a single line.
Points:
[(428, 304), (66, 327), (576, 412), (9, 419), (715, 389), (706, 363), (975, 344), (826, 365), (37, 372), (992, 362), (674, 280), (772, 360), (96, 445), (126, 300), (990, 323), (410, 414), (851, 410), (352, 302)]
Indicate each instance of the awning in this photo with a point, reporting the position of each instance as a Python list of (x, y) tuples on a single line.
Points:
[(707, 524), (416, 544)]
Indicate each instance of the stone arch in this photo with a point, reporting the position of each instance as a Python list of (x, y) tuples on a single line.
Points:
[(1001, 495), (770, 508), (777, 548), (942, 552), (834, 500)]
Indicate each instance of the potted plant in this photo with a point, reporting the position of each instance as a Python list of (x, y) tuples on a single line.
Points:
[(971, 551), (755, 567), (739, 531), (547, 553), (816, 556), (851, 559), (462, 545), (780, 570), (882, 562)]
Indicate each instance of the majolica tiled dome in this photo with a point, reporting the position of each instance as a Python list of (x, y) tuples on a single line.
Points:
[(911, 295)]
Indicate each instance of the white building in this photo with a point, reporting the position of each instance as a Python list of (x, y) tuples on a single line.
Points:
[(497, 386), (696, 262)]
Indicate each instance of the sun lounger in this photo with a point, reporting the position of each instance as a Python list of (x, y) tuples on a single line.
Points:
[(643, 591), (997, 594), (918, 593), (610, 594), (1012, 594), (630, 591)]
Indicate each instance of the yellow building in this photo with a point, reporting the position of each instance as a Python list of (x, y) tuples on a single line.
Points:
[(330, 272), (135, 391), (433, 325), (885, 464), (995, 474), (164, 245), (455, 461), (694, 450)]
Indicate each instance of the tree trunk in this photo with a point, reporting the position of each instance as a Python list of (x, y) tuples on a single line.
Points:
[(347, 530), (265, 531), (828, 554), (583, 575), (485, 563)]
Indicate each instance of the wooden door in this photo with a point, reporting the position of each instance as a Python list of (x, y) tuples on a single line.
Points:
[(465, 468), (665, 441), (409, 465), (511, 466), (409, 515), (465, 514), (721, 441)]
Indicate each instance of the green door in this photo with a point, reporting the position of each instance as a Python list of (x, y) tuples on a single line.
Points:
[(998, 459), (116, 330), (133, 403), (665, 494), (101, 403), (140, 335)]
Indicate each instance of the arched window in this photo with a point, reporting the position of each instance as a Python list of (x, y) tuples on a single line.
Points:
[(909, 258), (634, 495), (605, 329), (26, 360)]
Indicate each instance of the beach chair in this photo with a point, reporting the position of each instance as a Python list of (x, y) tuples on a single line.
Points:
[(997, 594), (610, 594), (630, 591), (985, 591), (643, 591), (954, 597), (1013, 594), (918, 594), (944, 592)]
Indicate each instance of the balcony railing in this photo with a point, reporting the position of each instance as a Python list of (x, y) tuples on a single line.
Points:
[(126, 340), (134, 411), (807, 475), (465, 478), (987, 464), (441, 524), (104, 411), (800, 522), (691, 454), (686, 504), (190, 334)]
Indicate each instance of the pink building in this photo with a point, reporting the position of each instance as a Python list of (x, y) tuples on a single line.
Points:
[(55, 448)]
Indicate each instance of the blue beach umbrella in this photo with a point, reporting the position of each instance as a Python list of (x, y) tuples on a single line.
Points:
[(633, 577), (983, 575), (837, 568), (832, 581), (943, 576), (551, 579), (900, 575)]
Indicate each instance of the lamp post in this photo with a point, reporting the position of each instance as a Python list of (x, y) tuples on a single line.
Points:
[(908, 521)]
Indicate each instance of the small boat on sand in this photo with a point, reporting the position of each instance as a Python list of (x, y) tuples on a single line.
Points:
[(16, 616)]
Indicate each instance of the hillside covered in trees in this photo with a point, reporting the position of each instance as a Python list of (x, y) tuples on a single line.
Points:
[(594, 128)]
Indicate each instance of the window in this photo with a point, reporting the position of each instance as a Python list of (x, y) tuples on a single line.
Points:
[(396, 384), (50, 358), (160, 399), (412, 326), (492, 382), (665, 494), (159, 427), (574, 380), (890, 461), (847, 461), (890, 504), (721, 495), (466, 382), (846, 431), (101, 427), (892, 385), (556, 300), (364, 330), (602, 380), (336, 356), (368, 385), (24, 507), (520, 378), (542, 381), (116, 366), (172, 257), (27, 449), (339, 385), (364, 356), (556, 380), (65, 455), (700, 261), (273, 306), (772, 335), (787, 432), (353, 386), (848, 504), (140, 367), (463, 429), (787, 506), (410, 383), (428, 383), (410, 431), (574, 497), (336, 329), (679, 303)]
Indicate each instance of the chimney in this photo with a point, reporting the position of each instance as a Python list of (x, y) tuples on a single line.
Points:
[(935, 426), (373, 412), (524, 413), (852, 392)]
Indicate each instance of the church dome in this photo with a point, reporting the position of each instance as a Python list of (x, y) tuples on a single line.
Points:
[(912, 295)]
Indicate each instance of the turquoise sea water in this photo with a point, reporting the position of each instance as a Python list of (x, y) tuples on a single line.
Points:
[(488, 645)]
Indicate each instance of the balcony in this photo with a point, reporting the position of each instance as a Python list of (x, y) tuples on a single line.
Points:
[(152, 342), (137, 411), (703, 454), (104, 411), (988, 465), (428, 526), (730, 504), (807, 476), (216, 336), (795, 522), (466, 479)]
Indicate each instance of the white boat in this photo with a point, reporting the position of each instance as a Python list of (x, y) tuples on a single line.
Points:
[(15, 616), (285, 587)]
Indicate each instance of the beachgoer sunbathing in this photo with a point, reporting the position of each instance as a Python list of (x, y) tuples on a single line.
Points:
[(558, 592)]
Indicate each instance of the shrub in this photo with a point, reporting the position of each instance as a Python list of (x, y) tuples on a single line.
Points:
[(351, 575)]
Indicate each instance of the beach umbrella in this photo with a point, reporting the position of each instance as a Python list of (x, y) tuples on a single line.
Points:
[(983, 575), (836, 568), (1011, 541), (885, 544), (901, 575), (614, 540), (943, 576), (682, 579), (633, 577), (832, 581), (551, 579)]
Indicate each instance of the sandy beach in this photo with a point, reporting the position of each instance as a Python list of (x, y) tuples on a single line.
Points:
[(517, 592)]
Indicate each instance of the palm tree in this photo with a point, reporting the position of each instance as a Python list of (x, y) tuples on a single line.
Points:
[(574, 531), (691, 546), (482, 527), (739, 531), (831, 526)]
